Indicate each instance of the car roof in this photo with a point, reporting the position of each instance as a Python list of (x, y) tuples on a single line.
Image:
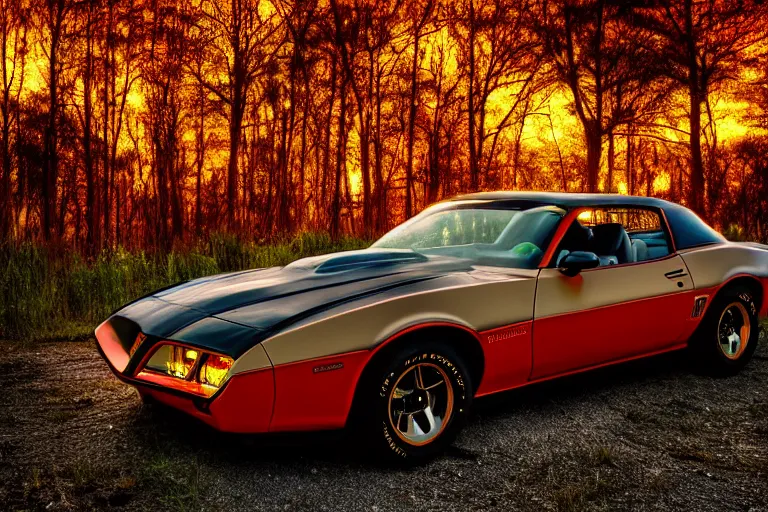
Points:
[(568, 200)]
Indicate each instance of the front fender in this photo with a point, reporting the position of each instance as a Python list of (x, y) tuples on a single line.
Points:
[(318, 362)]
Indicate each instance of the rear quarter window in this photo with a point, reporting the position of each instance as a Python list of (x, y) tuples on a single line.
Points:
[(689, 230)]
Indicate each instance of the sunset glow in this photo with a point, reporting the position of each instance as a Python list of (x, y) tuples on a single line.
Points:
[(165, 86)]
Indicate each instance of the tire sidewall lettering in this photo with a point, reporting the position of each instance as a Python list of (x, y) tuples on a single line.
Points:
[(746, 298), (455, 377)]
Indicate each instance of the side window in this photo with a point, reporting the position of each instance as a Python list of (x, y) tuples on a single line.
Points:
[(617, 235)]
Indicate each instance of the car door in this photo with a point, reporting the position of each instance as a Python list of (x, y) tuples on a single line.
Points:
[(609, 313)]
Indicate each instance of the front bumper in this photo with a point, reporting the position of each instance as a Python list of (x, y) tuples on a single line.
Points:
[(235, 408), (244, 404)]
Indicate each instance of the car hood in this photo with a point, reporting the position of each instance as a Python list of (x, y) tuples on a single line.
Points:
[(231, 312)]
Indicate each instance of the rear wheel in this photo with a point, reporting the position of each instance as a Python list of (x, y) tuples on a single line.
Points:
[(727, 337), (416, 402)]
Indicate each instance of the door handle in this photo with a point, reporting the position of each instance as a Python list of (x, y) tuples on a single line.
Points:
[(675, 274)]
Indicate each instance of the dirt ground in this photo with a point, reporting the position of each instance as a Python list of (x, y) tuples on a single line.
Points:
[(649, 435)]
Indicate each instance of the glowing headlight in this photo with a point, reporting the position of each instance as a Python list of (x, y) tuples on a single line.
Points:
[(175, 360), (187, 368), (215, 370)]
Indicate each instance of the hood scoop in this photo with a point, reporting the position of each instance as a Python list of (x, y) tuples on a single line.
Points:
[(353, 260)]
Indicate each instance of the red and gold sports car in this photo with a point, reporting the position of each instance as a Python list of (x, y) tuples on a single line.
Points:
[(475, 295)]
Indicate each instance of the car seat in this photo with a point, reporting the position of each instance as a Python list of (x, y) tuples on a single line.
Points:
[(639, 250), (612, 240)]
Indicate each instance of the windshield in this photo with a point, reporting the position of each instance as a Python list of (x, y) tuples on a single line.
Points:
[(485, 234)]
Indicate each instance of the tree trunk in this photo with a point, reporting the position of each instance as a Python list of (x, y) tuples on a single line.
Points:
[(288, 185), (473, 164), (118, 207), (177, 222), (364, 114), (327, 143), (594, 142), (200, 163), (6, 212), (283, 183), (106, 168), (162, 194), (518, 149), (380, 194), (235, 125), (51, 167), (91, 219), (116, 117), (611, 161), (269, 217), (300, 206), (365, 170), (630, 171), (433, 185), (412, 125), (340, 156), (697, 184)]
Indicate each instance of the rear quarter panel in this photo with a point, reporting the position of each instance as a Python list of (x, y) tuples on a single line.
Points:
[(715, 265)]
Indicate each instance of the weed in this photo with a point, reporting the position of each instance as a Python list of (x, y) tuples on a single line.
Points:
[(49, 292), (603, 455), (576, 496), (177, 482), (35, 481), (83, 475)]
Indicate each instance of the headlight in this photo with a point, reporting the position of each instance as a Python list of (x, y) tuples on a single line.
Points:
[(215, 370), (186, 368)]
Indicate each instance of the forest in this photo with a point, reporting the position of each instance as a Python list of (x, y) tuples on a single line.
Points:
[(145, 124), (135, 127)]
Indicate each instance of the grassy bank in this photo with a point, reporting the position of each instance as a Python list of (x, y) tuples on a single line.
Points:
[(50, 293)]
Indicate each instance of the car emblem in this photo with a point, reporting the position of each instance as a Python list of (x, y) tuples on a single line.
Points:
[(507, 334), (328, 367)]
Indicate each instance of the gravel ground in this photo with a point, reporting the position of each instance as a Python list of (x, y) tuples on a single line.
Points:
[(647, 435)]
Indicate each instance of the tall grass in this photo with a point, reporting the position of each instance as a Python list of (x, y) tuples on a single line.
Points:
[(49, 293)]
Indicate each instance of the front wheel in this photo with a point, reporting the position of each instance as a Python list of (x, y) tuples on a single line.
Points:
[(417, 402), (728, 335)]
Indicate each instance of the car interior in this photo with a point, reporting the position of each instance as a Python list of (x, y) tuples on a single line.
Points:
[(518, 245), (518, 238), (638, 238)]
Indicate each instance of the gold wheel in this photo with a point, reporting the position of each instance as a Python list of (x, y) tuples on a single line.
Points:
[(421, 403), (733, 330)]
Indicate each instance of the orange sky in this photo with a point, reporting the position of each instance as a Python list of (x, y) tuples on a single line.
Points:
[(537, 133)]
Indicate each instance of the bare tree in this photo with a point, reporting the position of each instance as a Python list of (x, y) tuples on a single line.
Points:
[(700, 44), (162, 75), (499, 53), (13, 32), (243, 39), (55, 26), (443, 100)]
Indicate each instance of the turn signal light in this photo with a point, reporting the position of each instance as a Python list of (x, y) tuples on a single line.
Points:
[(187, 369)]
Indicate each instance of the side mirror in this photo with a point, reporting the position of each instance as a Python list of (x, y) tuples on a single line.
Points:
[(576, 261)]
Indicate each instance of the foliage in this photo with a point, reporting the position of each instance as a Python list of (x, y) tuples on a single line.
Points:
[(49, 292), (149, 124)]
